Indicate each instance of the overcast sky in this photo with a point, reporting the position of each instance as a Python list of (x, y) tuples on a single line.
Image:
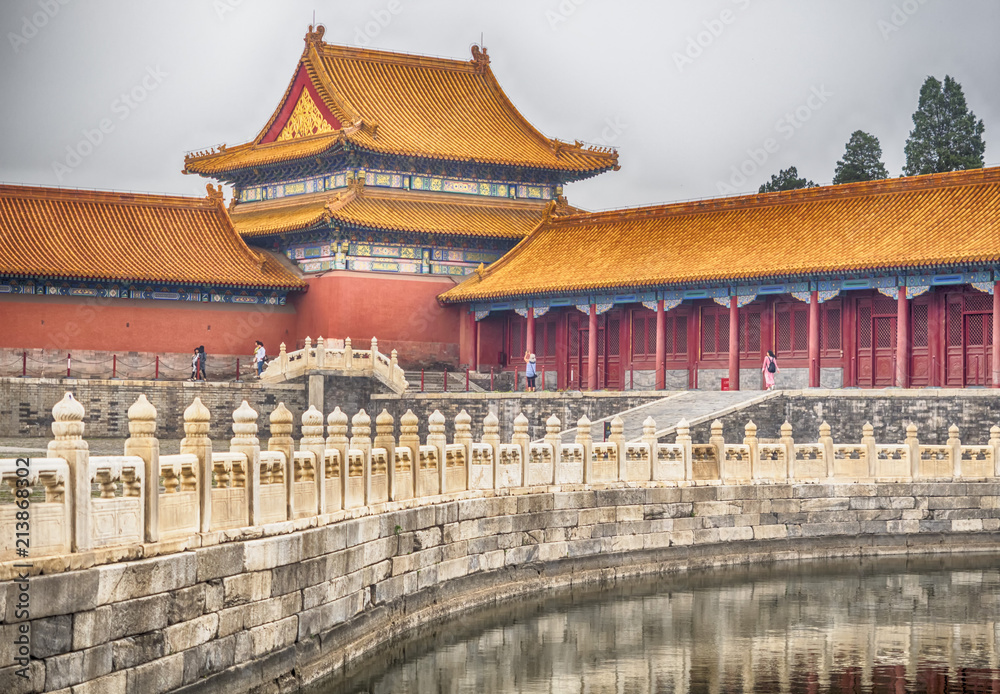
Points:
[(690, 92)]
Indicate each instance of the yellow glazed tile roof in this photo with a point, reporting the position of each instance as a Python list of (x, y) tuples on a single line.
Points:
[(409, 105), (85, 234), (922, 221), (373, 208)]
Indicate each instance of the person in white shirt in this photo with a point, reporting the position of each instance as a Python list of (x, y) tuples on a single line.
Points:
[(258, 356)]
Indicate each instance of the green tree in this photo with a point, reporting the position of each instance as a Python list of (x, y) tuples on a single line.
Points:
[(786, 179), (862, 160), (946, 135)]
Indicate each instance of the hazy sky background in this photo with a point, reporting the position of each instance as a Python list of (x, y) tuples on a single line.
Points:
[(687, 91)]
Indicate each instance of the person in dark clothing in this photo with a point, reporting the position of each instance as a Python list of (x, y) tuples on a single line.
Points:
[(202, 361)]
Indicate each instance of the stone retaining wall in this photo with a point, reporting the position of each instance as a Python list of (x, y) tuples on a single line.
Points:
[(286, 609), (26, 404), (933, 410)]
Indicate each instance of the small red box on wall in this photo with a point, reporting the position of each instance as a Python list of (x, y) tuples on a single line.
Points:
[(725, 384)]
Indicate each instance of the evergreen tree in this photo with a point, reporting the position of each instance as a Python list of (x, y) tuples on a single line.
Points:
[(862, 160), (946, 135), (786, 179)]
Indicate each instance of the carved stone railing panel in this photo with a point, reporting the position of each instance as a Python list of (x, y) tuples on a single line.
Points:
[(428, 481), (360, 362), (404, 473), (509, 466), (273, 494), (736, 465), (810, 461), (850, 460), (541, 467), (977, 462), (117, 514), (704, 462), (378, 488), (304, 490), (41, 487), (604, 462), (481, 466), (772, 463), (669, 464), (569, 469), (454, 468), (637, 467), (936, 462), (332, 480), (355, 486), (892, 461), (230, 505), (179, 513)]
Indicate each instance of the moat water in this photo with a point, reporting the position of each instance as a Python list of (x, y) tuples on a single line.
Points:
[(891, 625)]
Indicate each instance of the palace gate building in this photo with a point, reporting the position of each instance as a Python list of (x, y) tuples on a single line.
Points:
[(385, 177), (868, 284)]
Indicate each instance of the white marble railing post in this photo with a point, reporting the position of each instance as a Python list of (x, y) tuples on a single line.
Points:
[(684, 441), (67, 427), (955, 444), (245, 441), (283, 358), (868, 441), (336, 439), (463, 437), (913, 443), (361, 439), (348, 354), (143, 443), (385, 437), (373, 360), (718, 440), (409, 426), (788, 442), (436, 437), (320, 352), (491, 437), (826, 441), (196, 442), (281, 441), (995, 442), (312, 441), (307, 356), (617, 437), (584, 439), (521, 439), (552, 428), (394, 377), (750, 441)]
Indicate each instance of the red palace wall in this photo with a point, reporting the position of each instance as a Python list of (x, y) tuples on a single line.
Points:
[(401, 311), (116, 325)]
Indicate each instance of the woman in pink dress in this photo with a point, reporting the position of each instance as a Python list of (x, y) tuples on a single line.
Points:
[(769, 369)]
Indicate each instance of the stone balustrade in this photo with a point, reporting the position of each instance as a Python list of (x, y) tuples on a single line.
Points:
[(328, 356), (80, 502)]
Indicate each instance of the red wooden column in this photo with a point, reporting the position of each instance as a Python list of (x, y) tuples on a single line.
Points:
[(996, 335), (902, 379), (661, 346), (592, 350), (734, 344), (529, 334), (814, 339), (474, 342)]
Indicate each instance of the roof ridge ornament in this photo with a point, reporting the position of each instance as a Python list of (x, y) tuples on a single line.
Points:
[(215, 193), (480, 58), (314, 37)]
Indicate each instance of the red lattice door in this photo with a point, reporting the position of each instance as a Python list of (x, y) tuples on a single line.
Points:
[(612, 371), (876, 342), (969, 333), (576, 366)]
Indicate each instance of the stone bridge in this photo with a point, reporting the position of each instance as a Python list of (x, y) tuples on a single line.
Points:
[(336, 358), (252, 568)]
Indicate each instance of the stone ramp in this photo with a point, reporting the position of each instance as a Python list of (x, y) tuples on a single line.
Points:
[(693, 405), (434, 382)]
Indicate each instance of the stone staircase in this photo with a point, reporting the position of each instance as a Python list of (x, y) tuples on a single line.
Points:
[(434, 382), (695, 406)]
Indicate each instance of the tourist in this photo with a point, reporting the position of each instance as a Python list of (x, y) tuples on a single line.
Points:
[(258, 356), (530, 371), (769, 369), (195, 360), (202, 361)]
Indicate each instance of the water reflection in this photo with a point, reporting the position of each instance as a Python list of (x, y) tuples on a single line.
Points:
[(887, 626)]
